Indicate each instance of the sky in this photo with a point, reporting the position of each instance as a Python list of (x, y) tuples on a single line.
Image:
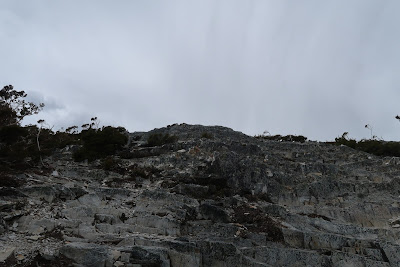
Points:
[(307, 67)]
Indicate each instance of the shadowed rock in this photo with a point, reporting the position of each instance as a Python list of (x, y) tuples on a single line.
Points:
[(206, 196)]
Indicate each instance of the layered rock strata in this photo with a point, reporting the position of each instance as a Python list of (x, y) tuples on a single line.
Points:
[(215, 197)]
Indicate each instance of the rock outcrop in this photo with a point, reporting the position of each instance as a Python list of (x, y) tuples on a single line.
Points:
[(215, 197)]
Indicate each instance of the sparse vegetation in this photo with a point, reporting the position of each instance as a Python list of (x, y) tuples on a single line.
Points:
[(257, 221), (207, 135), (14, 108), (12, 133), (286, 138), (344, 140), (17, 143), (109, 163), (158, 139), (24, 146), (143, 172), (372, 146), (100, 143)]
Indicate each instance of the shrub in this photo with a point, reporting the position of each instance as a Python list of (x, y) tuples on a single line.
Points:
[(379, 148), (109, 163), (12, 133), (207, 135), (100, 143), (157, 139), (143, 172), (18, 146), (286, 138), (372, 146), (17, 143), (62, 139), (14, 108), (343, 140)]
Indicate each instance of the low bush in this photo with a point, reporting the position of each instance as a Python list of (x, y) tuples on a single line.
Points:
[(24, 146), (111, 163), (343, 140), (286, 138), (12, 133), (379, 148), (100, 143), (372, 146), (18, 147), (207, 135), (158, 139)]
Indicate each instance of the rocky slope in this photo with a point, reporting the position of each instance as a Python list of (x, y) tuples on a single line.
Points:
[(215, 197)]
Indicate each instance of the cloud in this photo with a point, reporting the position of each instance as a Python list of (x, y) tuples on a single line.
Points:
[(313, 68)]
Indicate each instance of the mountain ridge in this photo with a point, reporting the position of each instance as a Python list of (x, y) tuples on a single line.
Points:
[(205, 196)]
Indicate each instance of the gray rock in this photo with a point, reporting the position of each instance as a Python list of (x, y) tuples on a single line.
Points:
[(6, 253), (215, 197), (88, 255), (146, 256), (213, 213)]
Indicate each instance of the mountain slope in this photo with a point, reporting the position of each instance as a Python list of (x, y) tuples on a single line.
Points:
[(210, 197)]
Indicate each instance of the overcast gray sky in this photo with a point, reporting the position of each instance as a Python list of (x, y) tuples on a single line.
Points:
[(310, 67)]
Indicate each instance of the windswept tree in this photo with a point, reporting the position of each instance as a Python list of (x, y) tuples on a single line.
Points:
[(14, 108), (17, 143)]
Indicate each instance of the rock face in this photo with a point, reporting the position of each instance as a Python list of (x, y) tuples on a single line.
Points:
[(215, 197)]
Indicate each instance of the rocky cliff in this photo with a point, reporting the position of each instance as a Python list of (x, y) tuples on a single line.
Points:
[(214, 197)]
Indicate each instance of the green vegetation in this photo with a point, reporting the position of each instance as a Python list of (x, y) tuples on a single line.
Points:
[(18, 145), (372, 146), (14, 108), (12, 133), (111, 163), (24, 147), (207, 135), (157, 139), (286, 138), (100, 143)]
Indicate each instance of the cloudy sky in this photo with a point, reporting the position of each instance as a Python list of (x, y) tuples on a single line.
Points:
[(310, 67)]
